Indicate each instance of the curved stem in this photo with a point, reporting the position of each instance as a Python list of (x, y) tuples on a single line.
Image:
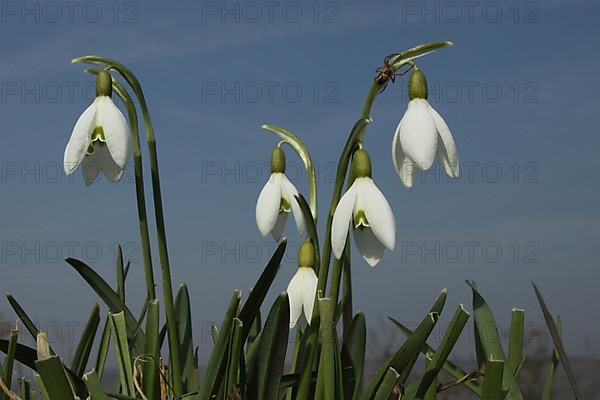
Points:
[(172, 334), (139, 189), (298, 146)]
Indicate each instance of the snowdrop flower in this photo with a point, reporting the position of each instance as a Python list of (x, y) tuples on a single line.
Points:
[(303, 286), (276, 200), (101, 140), (422, 136), (365, 206)]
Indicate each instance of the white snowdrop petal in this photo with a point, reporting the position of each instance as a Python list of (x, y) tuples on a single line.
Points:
[(268, 203), (418, 134), (378, 213), (406, 170), (309, 291), (116, 131), (447, 151), (341, 221), (295, 297), (90, 169), (290, 191), (80, 139), (109, 168), (277, 231), (368, 246)]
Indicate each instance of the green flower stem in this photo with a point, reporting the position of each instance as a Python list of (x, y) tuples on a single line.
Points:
[(295, 143), (351, 145), (139, 187), (175, 366)]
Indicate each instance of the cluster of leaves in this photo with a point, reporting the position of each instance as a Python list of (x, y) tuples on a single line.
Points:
[(249, 357)]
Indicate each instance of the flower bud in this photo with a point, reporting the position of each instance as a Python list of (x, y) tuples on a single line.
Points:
[(306, 255), (103, 84), (277, 161), (361, 164), (417, 85)]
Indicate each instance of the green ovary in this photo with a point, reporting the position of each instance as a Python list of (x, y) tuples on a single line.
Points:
[(360, 220), (285, 206), (97, 137)]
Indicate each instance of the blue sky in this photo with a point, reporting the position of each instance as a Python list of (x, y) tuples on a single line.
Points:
[(517, 91)]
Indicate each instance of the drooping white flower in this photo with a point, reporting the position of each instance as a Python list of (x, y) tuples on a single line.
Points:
[(422, 136), (101, 140), (276, 200), (365, 207), (303, 286)]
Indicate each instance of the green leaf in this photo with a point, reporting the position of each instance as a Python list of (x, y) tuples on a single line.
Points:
[(120, 274), (122, 352), (388, 384), (151, 361), (272, 349), (353, 355), (492, 381), (23, 354), (252, 305), (449, 367), (54, 378), (25, 389), (233, 360), (92, 382), (9, 360), (488, 337), (84, 347), (327, 363), (103, 347), (33, 330), (451, 335), (403, 360), (112, 300), (515, 344), (215, 368), (183, 318), (547, 394), (558, 345), (300, 149)]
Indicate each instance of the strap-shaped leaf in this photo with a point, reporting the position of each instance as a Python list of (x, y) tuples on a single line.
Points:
[(111, 299), (256, 297), (488, 339), (403, 360), (151, 362), (388, 384), (103, 347), (272, 350), (449, 366), (33, 330), (459, 320), (558, 345), (548, 386), (515, 344), (492, 381), (54, 378), (123, 355), (183, 316), (92, 382), (353, 355), (84, 347), (216, 368), (9, 360)]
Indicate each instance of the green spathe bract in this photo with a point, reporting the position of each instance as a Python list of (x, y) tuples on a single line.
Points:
[(248, 355)]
